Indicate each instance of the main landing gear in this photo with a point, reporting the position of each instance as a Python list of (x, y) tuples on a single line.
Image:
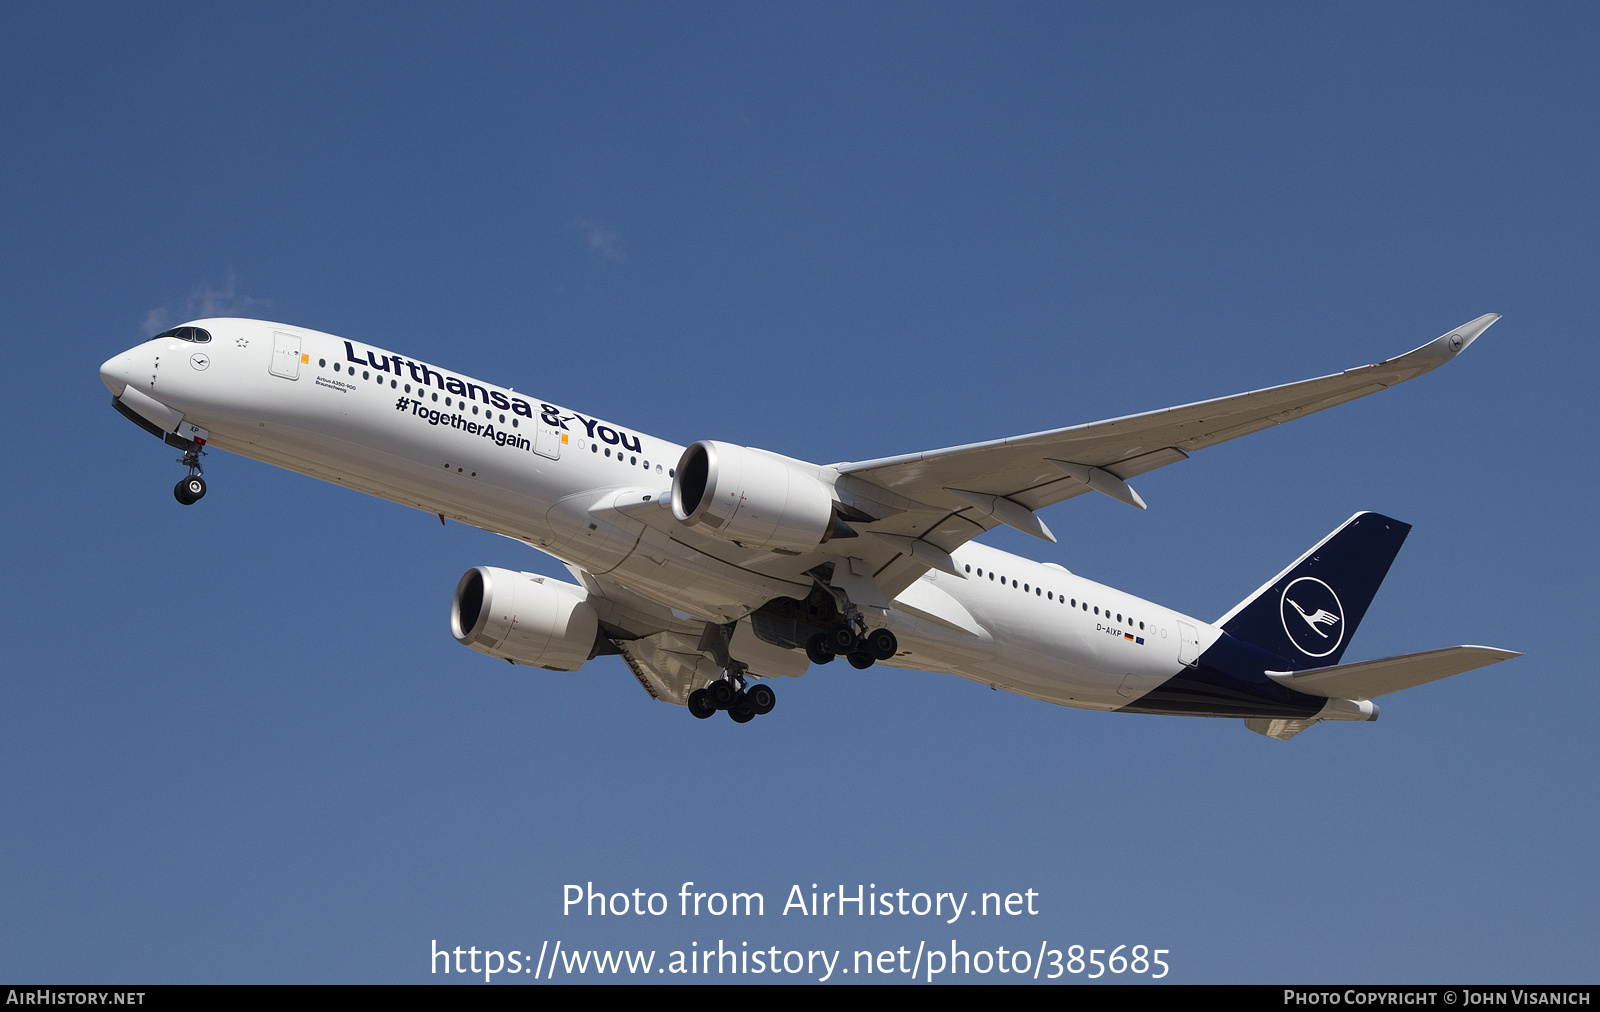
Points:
[(861, 651), (729, 693), (193, 488), (849, 638)]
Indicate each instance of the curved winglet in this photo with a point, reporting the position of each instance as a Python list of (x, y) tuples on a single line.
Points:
[(1441, 349)]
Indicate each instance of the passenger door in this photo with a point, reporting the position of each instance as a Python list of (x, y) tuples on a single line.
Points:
[(285, 355)]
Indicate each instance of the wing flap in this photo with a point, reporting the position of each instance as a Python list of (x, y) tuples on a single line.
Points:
[(668, 666)]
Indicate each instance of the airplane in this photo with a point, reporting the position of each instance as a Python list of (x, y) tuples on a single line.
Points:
[(713, 569)]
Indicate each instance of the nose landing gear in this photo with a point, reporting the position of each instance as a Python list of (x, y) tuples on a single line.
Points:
[(193, 488)]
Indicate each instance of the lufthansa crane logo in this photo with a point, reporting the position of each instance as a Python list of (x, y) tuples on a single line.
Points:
[(1312, 616)]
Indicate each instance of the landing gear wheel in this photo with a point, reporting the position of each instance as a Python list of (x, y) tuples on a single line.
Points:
[(720, 694), (861, 661), (190, 490), (741, 711), (841, 639), (763, 699), (700, 705), (817, 649), (881, 644)]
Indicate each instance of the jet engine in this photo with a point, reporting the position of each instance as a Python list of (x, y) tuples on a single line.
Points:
[(524, 619), (753, 498)]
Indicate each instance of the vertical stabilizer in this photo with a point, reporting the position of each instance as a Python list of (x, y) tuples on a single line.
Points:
[(1307, 613)]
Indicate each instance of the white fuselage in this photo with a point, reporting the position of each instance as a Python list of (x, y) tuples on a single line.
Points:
[(511, 463)]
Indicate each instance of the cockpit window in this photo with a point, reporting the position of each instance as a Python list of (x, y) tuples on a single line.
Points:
[(193, 334)]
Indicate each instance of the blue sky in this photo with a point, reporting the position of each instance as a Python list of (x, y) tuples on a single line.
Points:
[(242, 746)]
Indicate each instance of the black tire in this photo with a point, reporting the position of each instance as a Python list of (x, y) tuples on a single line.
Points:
[(881, 644), (742, 714), (762, 699), (190, 490), (861, 660), (817, 649), (720, 694), (699, 705), (841, 639)]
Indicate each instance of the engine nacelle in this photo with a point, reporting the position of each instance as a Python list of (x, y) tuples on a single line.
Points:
[(750, 497), (524, 619)]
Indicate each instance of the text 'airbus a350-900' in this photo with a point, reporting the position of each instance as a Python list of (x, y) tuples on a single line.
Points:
[(714, 568)]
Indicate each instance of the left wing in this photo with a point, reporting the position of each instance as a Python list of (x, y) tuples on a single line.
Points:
[(941, 499), (912, 511)]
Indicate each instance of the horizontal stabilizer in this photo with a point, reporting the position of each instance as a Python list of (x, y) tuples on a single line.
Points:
[(1366, 679)]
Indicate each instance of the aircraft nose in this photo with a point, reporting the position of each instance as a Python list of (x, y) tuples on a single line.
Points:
[(117, 372)]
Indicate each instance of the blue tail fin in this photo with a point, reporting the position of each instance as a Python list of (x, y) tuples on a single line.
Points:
[(1307, 613)]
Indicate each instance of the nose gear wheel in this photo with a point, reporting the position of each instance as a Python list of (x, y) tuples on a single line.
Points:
[(190, 490), (193, 488)]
